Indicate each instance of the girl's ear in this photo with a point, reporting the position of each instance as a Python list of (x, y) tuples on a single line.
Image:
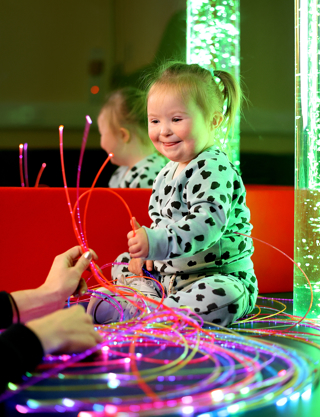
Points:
[(217, 119), (125, 135)]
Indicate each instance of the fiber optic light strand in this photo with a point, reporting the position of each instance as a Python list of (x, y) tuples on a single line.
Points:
[(268, 316), (75, 228), (251, 317), (39, 174), (307, 279), (25, 163), (142, 383), (83, 146), (21, 164)]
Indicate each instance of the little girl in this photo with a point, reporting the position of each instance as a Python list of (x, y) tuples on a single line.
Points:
[(198, 203), (123, 128)]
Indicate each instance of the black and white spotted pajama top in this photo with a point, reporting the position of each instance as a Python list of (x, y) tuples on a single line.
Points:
[(195, 217)]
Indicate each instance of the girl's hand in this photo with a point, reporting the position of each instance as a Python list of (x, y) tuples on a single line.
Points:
[(70, 330), (135, 266), (138, 244)]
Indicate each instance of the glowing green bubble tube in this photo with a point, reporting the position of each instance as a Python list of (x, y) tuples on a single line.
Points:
[(213, 41), (307, 173)]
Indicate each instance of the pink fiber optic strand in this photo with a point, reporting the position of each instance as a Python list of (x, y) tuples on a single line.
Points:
[(25, 163), (21, 164), (75, 228), (83, 146)]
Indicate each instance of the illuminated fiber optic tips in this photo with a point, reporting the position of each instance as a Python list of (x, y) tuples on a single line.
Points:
[(23, 167)]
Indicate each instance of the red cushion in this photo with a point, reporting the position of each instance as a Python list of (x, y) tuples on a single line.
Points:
[(272, 217), (35, 226)]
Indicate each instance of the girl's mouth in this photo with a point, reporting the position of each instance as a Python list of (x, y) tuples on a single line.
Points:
[(170, 144)]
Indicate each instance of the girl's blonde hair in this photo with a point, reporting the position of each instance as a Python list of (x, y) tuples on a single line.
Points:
[(197, 83), (127, 108)]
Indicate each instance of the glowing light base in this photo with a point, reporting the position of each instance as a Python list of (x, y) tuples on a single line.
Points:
[(307, 181), (213, 41)]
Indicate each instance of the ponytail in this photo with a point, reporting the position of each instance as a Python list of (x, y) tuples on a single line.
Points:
[(232, 97)]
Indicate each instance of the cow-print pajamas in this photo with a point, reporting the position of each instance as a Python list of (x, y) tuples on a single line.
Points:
[(198, 257), (140, 175)]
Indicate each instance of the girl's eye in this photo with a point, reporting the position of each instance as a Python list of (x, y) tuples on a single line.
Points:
[(154, 121), (176, 119)]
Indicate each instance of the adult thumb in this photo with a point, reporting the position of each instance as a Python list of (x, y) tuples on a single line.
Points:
[(84, 262)]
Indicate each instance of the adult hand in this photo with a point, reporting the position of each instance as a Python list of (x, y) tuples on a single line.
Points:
[(138, 244), (136, 264), (64, 278), (68, 330)]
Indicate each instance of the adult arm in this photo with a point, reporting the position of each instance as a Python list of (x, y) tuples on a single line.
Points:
[(23, 346), (20, 348)]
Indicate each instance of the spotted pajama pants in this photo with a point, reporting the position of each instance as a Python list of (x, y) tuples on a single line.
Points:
[(220, 299)]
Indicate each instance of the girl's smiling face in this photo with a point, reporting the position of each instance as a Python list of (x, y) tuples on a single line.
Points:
[(177, 128)]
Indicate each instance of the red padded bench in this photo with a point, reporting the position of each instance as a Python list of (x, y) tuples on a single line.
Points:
[(35, 226)]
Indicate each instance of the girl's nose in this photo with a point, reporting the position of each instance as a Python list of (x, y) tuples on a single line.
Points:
[(165, 131)]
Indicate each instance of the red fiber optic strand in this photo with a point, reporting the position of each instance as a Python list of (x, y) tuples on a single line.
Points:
[(90, 191), (39, 174), (75, 228), (145, 387)]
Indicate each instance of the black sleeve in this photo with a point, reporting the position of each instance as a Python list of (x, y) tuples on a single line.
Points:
[(20, 349)]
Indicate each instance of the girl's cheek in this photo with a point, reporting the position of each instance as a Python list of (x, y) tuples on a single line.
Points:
[(152, 133)]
